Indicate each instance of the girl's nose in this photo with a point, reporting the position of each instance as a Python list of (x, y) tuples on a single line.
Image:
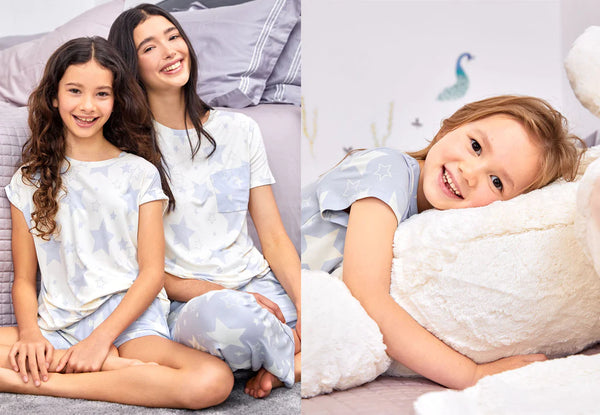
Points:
[(86, 103), (470, 171)]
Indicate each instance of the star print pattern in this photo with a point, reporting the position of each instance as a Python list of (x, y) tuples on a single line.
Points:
[(212, 196), (230, 324), (95, 253), (383, 173)]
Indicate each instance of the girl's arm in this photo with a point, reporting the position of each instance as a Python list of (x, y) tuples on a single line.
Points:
[(276, 245), (367, 273), (32, 351), (89, 354), (184, 289)]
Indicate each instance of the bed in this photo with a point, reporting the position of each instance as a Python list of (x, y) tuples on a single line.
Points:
[(265, 52)]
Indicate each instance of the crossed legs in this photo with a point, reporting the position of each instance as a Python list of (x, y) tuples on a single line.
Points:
[(181, 378)]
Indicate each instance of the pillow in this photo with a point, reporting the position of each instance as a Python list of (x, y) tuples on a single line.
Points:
[(237, 47), (14, 131), (23, 64), (582, 65), (9, 41), (342, 346), (504, 279), (283, 86), (587, 219)]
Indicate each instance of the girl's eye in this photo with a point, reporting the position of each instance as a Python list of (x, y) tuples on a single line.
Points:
[(173, 37), (73, 90), (148, 49), (497, 182), (476, 146), (103, 94)]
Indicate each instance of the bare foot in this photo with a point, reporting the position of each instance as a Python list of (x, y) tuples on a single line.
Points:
[(260, 386), (115, 362)]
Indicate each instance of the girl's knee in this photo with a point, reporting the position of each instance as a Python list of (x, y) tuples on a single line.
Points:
[(208, 386)]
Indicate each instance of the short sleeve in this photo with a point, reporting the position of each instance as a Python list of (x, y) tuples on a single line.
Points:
[(152, 188), (260, 173), (382, 173), (19, 193)]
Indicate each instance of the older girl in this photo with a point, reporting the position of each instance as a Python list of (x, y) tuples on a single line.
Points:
[(229, 299), (489, 150), (87, 211)]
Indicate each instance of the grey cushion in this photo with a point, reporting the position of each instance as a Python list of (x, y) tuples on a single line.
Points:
[(283, 86), (238, 47)]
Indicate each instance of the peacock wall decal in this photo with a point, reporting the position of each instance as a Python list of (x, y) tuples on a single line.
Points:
[(461, 85)]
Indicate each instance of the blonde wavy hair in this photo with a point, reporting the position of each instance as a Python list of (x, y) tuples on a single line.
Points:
[(561, 155)]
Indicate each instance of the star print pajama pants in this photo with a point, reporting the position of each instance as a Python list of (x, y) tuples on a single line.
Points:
[(230, 324)]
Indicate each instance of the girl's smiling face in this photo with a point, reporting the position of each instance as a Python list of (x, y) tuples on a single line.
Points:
[(494, 158), (162, 54), (85, 100)]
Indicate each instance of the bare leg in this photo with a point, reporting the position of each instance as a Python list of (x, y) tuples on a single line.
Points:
[(10, 335), (261, 385), (183, 378)]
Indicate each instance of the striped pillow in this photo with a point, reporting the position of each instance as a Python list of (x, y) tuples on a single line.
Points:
[(237, 47)]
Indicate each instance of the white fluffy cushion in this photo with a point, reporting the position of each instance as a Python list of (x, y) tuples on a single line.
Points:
[(500, 280), (582, 65), (587, 218), (342, 346)]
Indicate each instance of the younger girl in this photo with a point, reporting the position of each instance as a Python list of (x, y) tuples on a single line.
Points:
[(87, 209), (228, 298), (493, 149)]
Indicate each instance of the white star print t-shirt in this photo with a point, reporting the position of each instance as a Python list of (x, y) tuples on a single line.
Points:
[(207, 235), (384, 173), (94, 255)]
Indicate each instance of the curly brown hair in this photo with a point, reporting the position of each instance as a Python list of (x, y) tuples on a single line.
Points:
[(129, 127), (561, 155)]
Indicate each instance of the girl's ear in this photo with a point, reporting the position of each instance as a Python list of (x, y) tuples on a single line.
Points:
[(55, 102)]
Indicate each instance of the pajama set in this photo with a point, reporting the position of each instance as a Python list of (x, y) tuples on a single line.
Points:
[(87, 267), (207, 239), (383, 173)]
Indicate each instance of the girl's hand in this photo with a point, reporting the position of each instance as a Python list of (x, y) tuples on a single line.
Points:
[(86, 356), (34, 353), (269, 305), (507, 363)]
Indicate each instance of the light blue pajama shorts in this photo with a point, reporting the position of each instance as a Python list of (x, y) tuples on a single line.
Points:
[(152, 322)]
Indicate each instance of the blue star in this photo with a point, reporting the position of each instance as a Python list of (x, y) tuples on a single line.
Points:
[(78, 280), (101, 238), (234, 219), (201, 192), (52, 250), (182, 233), (101, 170), (130, 197)]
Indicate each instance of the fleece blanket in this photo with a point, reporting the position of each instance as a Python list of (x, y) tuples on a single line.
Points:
[(555, 387)]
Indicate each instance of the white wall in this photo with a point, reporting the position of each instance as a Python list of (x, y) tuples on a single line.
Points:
[(37, 16), (23, 17), (382, 63)]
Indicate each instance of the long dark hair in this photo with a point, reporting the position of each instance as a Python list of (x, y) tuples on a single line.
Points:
[(129, 127), (121, 36)]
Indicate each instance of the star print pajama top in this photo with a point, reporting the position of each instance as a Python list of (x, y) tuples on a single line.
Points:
[(94, 256), (207, 236), (384, 173)]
